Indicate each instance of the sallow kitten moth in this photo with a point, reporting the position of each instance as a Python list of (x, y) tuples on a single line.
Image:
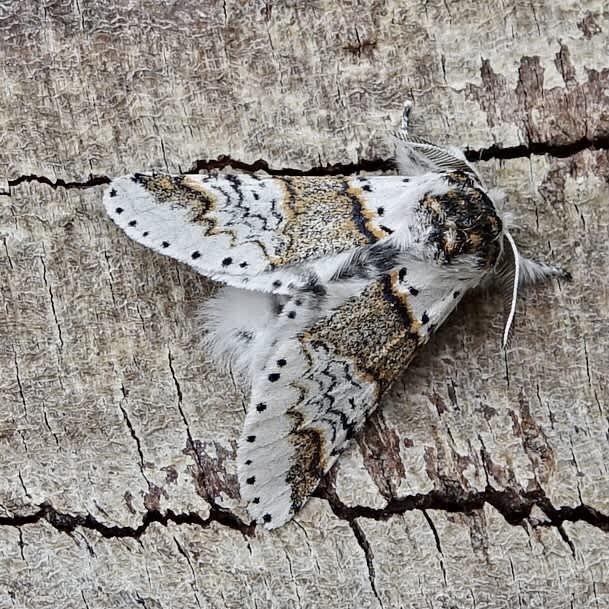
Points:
[(332, 285)]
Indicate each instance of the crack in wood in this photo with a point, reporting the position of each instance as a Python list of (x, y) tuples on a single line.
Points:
[(52, 301), (530, 149), (91, 181), (495, 151), (436, 537), (134, 436), (223, 161), (364, 544), (514, 505), (67, 523)]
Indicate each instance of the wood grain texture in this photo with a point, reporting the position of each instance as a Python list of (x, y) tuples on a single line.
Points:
[(482, 482)]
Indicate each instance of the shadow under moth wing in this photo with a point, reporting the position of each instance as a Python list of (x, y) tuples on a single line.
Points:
[(333, 284)]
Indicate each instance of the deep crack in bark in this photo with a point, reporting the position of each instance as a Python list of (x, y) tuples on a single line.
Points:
[(134, 436), (379, 164), (59, 183), (376, 164), (434, 532), (537, 148), (515, 506), (67, 523), (368, 554)]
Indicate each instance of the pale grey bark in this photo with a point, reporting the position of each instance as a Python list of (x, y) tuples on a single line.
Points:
[(482, 482)]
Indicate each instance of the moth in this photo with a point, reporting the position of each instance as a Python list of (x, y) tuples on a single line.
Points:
[(332, 284)]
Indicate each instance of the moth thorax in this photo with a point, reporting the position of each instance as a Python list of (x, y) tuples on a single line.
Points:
[(463, 220)]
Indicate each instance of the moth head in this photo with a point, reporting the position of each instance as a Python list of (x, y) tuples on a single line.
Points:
[(416, 156)]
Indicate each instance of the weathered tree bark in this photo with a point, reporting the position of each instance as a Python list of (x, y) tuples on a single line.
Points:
[(482, 482)]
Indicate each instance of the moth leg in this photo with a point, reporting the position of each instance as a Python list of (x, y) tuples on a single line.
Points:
[(415, 155), (536, 272), (406, 110)]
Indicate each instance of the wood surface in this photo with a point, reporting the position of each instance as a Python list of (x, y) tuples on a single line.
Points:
[(482, 482)]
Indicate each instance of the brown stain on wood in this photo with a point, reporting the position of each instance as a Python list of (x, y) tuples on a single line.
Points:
[(212, 473), (380, 447), (560, 115)]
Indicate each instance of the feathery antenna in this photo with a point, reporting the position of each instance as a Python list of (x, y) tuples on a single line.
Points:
[(516, 280)]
